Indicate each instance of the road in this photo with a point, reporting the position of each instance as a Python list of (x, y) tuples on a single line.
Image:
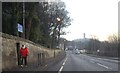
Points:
[(82, 62)]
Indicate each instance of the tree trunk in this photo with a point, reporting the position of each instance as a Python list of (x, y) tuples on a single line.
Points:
[(28, 28)]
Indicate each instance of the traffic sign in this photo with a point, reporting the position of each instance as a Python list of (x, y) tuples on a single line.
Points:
[(20, 28)]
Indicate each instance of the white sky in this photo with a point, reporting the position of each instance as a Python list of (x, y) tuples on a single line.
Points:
[(93, 17)]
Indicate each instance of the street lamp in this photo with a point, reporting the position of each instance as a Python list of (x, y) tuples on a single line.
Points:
[(58, 19), (98, 51)]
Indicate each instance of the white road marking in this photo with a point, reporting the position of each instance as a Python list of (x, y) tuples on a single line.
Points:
[(104, 66), (62, 66), (60, 69), (99, 58), (64, 62), (92, 61)]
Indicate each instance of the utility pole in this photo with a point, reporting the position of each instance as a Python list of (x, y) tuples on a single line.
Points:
[(23, 19)]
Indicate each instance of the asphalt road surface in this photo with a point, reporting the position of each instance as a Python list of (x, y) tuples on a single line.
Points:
[(81, 62)]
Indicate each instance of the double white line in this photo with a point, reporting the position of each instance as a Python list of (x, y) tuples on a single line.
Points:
[(62, 66)]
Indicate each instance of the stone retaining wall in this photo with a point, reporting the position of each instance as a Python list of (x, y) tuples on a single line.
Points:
[(9, 51)]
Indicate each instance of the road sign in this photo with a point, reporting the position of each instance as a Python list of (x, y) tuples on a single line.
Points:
[(20, 28)]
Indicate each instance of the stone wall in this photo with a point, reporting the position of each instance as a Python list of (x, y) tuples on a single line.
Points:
[(9, 51), (0, 53)]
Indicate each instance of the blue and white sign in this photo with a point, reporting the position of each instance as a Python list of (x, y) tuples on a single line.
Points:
[(20, 28)]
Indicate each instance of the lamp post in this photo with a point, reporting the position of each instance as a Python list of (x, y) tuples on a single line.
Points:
[(93, 38), (64, 44), (58, 19), (53, 39)]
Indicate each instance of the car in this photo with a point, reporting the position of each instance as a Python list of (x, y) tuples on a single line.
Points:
[(77, 52)]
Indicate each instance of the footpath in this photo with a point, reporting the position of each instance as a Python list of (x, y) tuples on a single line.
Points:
[(35, 68)]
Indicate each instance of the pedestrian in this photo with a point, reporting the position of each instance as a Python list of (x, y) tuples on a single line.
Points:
[(24, 54)]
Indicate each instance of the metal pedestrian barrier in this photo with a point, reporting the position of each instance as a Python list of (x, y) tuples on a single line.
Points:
[(41, 59)]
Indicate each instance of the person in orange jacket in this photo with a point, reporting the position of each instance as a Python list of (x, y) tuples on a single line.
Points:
[(24, 54)]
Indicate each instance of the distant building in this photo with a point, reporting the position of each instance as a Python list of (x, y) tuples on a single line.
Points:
[(70, 47)]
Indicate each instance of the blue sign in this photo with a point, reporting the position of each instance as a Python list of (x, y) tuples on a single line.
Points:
[(20, 28)]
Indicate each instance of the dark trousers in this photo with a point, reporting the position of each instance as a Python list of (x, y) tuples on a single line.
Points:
[(24, 60)]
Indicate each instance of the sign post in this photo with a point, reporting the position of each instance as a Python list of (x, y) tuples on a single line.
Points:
[(20, 30)]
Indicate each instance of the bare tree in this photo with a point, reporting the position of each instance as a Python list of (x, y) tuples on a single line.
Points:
[(113, 47)]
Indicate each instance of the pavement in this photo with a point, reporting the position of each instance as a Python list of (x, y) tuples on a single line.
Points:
[(35, 68)]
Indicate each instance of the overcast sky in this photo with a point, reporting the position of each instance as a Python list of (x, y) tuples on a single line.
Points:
[(93, 17)]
